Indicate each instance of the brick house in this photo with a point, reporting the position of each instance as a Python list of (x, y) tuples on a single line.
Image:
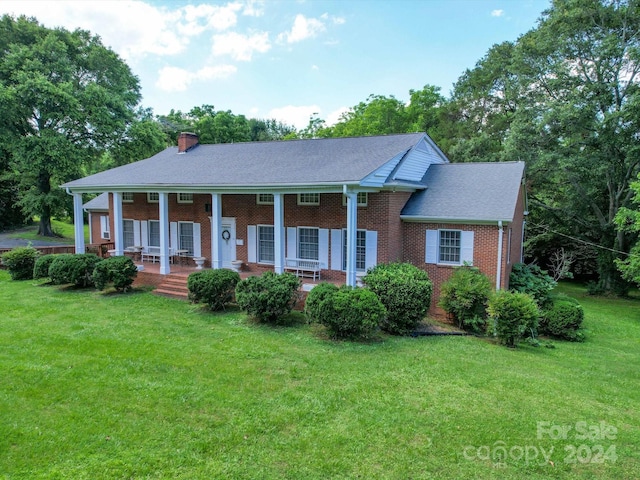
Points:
[(344, 203)]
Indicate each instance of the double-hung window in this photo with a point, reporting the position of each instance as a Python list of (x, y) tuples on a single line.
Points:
[(308, 243), (154, 233), (449, 248), (127, 233), (105, 232), (185, 237), (361, 250), (266, 244), (127, 197), (153, 197)]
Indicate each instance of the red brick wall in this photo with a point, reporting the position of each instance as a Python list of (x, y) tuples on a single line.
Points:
[(397, 240)]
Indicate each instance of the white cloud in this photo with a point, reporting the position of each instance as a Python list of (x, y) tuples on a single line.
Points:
[(315, 67), (302, 29), (298, 116), (134, 28), (174, 79), (497, 13), (253, 8), (334, 117), (240, 47)]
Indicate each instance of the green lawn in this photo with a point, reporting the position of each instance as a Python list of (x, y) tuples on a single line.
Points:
[(98, 386), (62, 228)]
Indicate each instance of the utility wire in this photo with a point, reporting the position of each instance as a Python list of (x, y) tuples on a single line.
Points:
[(547, 229)]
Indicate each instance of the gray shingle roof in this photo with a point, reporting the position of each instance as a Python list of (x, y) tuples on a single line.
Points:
[(298, 162), (101, 202), (477, 192)]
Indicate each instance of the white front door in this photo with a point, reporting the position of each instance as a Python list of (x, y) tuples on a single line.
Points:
[(228, 241)]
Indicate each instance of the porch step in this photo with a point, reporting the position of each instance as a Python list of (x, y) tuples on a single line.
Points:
[(173, 286)]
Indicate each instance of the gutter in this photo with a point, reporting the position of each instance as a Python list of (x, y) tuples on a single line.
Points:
[(499, 272)]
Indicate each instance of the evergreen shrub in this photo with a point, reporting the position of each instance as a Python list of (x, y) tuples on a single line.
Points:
[(213, 287)]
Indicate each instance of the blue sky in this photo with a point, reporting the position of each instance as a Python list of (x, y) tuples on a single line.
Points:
[(289, 59)]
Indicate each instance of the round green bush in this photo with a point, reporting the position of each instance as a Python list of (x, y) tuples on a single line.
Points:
[(563, 320), (404, 290), (268, 297), (120, 270), (41, 267), (319, 293), (465, 297), (513, 315), (74, 268), (20, 262), (350, 313), (213, 287)]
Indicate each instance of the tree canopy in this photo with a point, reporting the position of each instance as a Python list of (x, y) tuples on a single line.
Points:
[(65, 97)]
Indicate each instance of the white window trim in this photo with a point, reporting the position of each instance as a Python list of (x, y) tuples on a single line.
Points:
[(442, 262), (360, 204), (126, 200), (300, 202), (150, 200), (184, 201), (258, 260), (263, 202)]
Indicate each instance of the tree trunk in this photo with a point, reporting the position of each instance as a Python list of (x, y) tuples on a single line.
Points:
[(44, 186)]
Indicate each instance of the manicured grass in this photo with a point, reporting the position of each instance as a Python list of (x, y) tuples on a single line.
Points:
[(137, 386), (62, 228)]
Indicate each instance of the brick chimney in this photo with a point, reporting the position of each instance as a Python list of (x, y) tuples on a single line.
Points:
[(186, 141)]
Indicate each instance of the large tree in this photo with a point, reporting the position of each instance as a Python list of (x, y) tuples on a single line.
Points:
[(65, 98), (578, 122)]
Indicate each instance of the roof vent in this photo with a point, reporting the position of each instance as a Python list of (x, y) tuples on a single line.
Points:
[(186, 141)]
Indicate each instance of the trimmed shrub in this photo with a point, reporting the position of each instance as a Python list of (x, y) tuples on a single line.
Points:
[(41, 267), (513, 314), (20, 262), (532, 280), (404, 290), (350, 313), (213, 287), (120, 270), (268, 297), (73, 268), (465, 297), (563, 319), (313, 305)]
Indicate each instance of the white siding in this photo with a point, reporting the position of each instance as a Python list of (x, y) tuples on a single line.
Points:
[(416, 163)]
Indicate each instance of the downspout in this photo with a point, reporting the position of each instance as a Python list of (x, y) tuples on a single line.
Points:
[(499, 272)]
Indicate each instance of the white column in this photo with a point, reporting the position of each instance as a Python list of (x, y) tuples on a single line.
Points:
[(118, 234), (78, 222), (216, 230), (278, 232), (352, 228), (163, 205)]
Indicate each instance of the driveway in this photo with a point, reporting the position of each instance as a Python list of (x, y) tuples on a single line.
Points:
[(7, 242)]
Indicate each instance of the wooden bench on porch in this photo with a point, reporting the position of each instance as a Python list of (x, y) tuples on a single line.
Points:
[(303, 267)]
